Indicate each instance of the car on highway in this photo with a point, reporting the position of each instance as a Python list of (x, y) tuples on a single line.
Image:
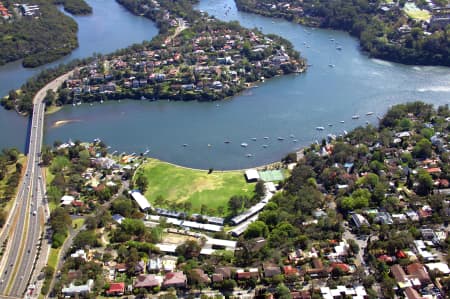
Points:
[(34, 213)]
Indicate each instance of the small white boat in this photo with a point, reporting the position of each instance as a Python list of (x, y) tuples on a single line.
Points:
[(249, 155), (295, 140), (356, 116), (266, 137), (243, 144), (342, 121), (254, 138), (331, 65), (369, 113), (345, 132), (291, 136), (330, 125), (320, 128), (264, 145), (280, 138)]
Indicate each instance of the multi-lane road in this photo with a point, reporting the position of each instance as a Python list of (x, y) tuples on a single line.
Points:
[(26, 220)]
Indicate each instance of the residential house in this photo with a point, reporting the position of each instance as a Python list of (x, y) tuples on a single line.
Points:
[(175, 280), (241, 274), (271, 271), (148, 281), (79, 290), (116, 289)]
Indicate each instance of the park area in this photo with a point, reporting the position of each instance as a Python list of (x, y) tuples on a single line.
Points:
[(172, 186)]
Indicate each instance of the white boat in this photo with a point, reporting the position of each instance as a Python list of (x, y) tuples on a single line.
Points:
[(331, 65), (280, 138), (243, 144), (291, 136), (266, 137), (345, 132), (254, 138), (295, 140), (342, 121), (330, 125), (356, 116), (320, 128), (264, 145), (369, 113), (249, 155)]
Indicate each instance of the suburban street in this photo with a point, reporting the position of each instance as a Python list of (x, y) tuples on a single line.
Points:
[(29, 212)]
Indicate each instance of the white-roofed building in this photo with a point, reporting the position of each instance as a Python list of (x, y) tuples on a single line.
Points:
[(441, 267), (251, 175), (67, 200), (141, 200)]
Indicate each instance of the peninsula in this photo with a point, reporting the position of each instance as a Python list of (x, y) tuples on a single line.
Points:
[(195, 57), (409, 32)]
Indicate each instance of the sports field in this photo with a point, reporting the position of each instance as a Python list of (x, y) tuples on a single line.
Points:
[(177, 185)]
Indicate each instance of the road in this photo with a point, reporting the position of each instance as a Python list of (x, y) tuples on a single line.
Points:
[(28, 214)]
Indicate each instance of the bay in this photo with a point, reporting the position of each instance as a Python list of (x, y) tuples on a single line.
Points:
[(287, 108)]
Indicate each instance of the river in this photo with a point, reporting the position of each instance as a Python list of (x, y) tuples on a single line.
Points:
[(289, 107), (109, 28)]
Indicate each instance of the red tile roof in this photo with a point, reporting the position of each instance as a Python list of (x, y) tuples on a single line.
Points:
[(116, 288)]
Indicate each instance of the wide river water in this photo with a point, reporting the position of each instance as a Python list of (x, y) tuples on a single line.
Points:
[(290, 107)]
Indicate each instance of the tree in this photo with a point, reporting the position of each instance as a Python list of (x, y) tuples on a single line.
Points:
[(235, 204), (422, 149), (425, 183), (256, 229), (189, 249), (85, 238), (260, 190), (141, 183), (283, 292)]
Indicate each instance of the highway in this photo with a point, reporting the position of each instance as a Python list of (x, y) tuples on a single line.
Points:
[(27, 216)]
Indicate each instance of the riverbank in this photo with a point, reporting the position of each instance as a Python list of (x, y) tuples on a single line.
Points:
[(380, 34)]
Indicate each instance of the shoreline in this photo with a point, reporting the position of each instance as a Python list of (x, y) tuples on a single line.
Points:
[(218, 170)]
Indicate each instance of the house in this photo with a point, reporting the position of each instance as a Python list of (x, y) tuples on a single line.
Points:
[(139, 267), (75, 291), (148, 281), (199, 276), (241, 274), (80, 253), (154, 265), (169, 263), (67, 200), (116, 289), (417, 270), (221, 273), (175, 280), (359, 220), (121, 268), (289, 270), (271, 271)]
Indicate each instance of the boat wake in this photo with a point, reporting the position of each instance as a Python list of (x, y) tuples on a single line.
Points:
[(60, 123)]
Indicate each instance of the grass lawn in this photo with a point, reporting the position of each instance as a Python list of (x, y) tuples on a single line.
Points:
[(53, 257), (415, 13), (77, 223), (177, 185), (11, 169)]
